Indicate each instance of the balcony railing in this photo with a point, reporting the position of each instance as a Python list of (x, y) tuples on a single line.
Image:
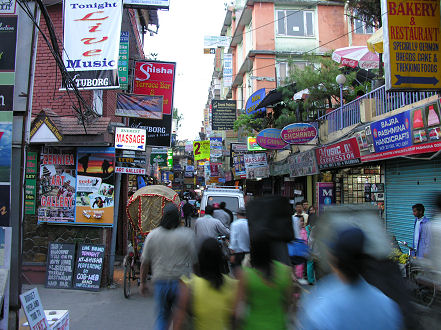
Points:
[(380, 100)]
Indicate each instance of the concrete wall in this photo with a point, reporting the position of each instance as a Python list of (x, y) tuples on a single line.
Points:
[(332, 23)]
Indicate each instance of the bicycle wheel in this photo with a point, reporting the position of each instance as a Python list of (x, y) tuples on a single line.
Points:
[(127, 278), (423, 289)]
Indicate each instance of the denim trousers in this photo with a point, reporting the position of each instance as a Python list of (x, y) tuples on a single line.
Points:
[(166, 294)]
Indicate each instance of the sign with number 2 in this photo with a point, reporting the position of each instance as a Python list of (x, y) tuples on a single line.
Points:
[(201, 150)]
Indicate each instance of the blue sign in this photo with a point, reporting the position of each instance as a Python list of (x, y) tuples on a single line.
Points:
[(392, 133), (253, 102)]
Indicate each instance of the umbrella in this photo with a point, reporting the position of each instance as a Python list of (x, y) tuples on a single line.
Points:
[(356, 56), (301, 95), (375, 42)]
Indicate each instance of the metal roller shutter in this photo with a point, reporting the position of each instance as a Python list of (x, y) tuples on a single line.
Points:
[(409, 182)]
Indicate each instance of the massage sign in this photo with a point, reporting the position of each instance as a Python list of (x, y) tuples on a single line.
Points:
[(91, 42)]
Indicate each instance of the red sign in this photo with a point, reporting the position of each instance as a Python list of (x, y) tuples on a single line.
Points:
[(155, 78), (339, 154), (411, 150)]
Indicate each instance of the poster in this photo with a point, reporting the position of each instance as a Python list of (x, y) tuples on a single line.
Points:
[(256, 166), (95, 186), (303, 164), (139, 106), (412, 41), (252, 144), (215, 147), (123, 60), (339, 154), (57, 186), (215, 169), (325, 195), (31, 183), (223, 114), (91, 43)]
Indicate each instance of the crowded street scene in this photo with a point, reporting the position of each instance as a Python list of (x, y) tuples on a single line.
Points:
[(220, 164)]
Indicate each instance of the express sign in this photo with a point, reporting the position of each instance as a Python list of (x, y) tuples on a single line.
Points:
[(130, 138)]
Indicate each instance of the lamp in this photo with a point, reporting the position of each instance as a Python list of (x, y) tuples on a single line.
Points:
[(341, 79)]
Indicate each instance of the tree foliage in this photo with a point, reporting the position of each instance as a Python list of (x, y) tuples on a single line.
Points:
[(179, 117), (368, 11)]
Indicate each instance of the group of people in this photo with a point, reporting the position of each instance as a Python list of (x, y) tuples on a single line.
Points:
[(192, 288)]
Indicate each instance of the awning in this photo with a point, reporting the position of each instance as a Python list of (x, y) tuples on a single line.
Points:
[(375, 42), (274, 96)]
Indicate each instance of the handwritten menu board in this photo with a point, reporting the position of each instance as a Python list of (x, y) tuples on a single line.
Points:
[(89, 266), (60, 265)]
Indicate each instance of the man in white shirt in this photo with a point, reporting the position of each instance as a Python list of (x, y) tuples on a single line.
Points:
[(239, 239)]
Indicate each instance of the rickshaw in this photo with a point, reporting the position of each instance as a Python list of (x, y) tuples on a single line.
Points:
[(144, 210)]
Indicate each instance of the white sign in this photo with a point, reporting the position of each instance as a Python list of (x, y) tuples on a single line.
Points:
[(228, 70), (130, 138), (163, 150), (7, 7), (130, 170), (216, 41), (91, 42), (88, 183), (33, 309), (150, 3), (256, 165)]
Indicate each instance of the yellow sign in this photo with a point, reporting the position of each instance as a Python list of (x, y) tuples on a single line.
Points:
[(412, 44), (201, 149)]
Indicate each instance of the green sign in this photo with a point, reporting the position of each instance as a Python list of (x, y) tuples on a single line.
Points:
[(31, 182), (123, 62), (170, 158), (160, 159)]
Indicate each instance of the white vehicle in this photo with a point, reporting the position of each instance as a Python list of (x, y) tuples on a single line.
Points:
[(232, 196)]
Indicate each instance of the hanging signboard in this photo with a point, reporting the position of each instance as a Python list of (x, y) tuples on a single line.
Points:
[(216, 41), (223, 115), (89, 266), (130, 170), (152, 4), (253, 101), (139, 106), (412, 44), (303, 164), (91, 48), (228, 70), (31, 182), (160, 159), (215, 147), (60, 265), (158, 132), (7, 7), (252, 144), (8, 37), (201, 150), (256, 166), (270, 138), (130, 138), (299, 133), (339, 154), (123, 62), (325, 195)]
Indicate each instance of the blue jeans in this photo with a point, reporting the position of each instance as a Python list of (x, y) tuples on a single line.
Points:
[(166, 293)]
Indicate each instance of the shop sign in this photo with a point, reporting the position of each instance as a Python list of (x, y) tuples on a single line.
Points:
[(6, 97), (201, 150), (303, 164), (130, 138), (150, 4), (33, 309), (42, 118), (123, 63), (239, 147), (239, 165), (129, 161), (215, 147), (298, 133), (8, 36), (270, 138), (189, 171), (7, 7), (256, 165), (31, 183), (252, 144), (340, 154), (223, 114), (228, 70), (130, 170), (325, 195), (6, 118), (253, 102), (160, 159), (139, 106), (411, 132), (412, 44), (215, 169), (279, 168), (91, 43), (216, 41)]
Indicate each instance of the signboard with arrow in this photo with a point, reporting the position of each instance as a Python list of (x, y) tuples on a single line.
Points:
[(130, 138)]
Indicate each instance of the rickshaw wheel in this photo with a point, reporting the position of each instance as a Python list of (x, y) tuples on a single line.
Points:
[(127, 279)]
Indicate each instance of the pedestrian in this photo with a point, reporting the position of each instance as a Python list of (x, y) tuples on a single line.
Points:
[(223, 206), (299, 211), (265, 290), (310, 272), (299, 268), (239, 239), (222, 215), (207, 226), (305, 206), (209, 295), (421, 236), (188, 212), (170, 250), (344, 300)]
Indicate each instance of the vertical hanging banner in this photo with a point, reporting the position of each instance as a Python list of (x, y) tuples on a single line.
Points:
[(123, 63), (5, 166), (228, 70), (31, 182), (412, 40), (8, 37), (91, 48)]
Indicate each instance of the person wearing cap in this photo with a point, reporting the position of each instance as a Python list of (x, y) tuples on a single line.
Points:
[(344, 300), (239, 239)]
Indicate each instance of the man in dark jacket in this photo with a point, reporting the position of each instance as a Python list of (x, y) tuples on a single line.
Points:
[(188, 211)]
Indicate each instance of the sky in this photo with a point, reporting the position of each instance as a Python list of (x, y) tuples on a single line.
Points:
[(180, 39)]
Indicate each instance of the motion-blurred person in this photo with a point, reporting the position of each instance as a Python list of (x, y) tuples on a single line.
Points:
[(207, 226), (239, 239), (309, 230), (187, 209), (223, 206), (265, 290), (435, 241), (303, 210), (301, 266), (209, 295), (344, 300), (421, 236), (170, 250), (221, 214)]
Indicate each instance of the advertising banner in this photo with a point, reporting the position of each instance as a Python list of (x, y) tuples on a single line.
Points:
[(256, 165), (215, 147), (95, 186), (123, 62), (239, 165), (7, 7), (298, 133), (303, 164), (5, 202), (130, 138), (215, 169), (216, 41), (223, 115), (412, 42), (91, 43), (279, 168), (8, 37), (161, 4), (270, 138), (228, 70), (340, 154), (130, 170), (189, 146), (411, 132), (252, 144), (158, 131), (6, 97), (189, 171), (30, 194), (6, 118), (57, 186), (160, 159), (201, 150), (253, 101), (325, 195), (139, 106)]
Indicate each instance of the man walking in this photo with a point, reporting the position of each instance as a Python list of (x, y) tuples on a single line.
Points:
[(222, 215), (171, 252), (188, 211), (207, 226), (239, 239), (421, 236)]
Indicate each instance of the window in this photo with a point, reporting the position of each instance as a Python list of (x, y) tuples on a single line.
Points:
[(361, 27), (284, 68), (295, 23)]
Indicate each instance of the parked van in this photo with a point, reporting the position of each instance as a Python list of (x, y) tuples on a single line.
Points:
[(232, 196)]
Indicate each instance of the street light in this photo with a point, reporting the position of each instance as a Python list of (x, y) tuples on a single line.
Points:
[(341, 79)]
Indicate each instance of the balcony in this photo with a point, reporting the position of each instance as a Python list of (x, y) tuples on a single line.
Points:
[(365, 108)]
